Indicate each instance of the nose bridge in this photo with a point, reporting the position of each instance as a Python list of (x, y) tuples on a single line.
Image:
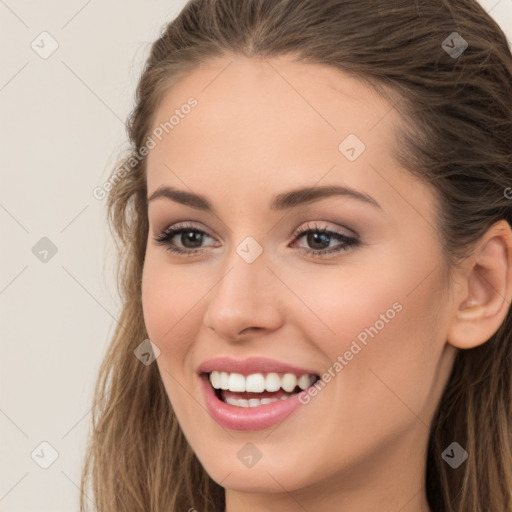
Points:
[(243, 296)]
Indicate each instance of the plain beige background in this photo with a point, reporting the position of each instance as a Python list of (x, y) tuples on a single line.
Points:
[(62, 123)]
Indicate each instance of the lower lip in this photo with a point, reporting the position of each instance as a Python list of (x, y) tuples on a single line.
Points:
[(248, 418)]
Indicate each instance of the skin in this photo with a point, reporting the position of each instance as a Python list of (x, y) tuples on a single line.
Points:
[(261, 128)]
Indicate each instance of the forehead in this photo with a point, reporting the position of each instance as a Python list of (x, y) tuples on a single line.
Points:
[(263, 94), (266, 124)]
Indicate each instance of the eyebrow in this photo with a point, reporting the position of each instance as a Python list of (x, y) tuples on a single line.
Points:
[(283, 201)]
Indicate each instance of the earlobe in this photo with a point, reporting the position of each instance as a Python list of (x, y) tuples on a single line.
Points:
[(487, 290)]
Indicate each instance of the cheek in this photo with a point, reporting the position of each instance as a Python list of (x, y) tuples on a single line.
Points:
[(171, 320), (394, 372), (168, 299), (345, 305), (386, 306), (381, 324)]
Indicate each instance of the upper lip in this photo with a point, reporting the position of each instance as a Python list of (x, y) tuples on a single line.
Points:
[(251, 365)]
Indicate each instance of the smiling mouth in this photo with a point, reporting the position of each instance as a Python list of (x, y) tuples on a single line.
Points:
[(257, 389)]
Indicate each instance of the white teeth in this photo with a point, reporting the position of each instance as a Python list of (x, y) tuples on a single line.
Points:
[(237, 382), (305, 381), (224, 380), (255, 383), (289, 382), (215, 379), (253, 402), (258, 383), (272, 382)]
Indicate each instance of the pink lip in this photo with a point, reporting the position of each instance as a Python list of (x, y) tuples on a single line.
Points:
[(250, 418), (251, 365)]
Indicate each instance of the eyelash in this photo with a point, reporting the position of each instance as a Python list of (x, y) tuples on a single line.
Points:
[(167, 235)]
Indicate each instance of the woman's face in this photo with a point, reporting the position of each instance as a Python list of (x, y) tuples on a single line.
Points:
[(373, 316)]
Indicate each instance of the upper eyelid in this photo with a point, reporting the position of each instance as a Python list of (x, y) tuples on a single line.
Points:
[(303, 228), (184, 225), (179, 226)]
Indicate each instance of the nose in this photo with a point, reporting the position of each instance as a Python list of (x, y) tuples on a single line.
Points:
[(245, 298)]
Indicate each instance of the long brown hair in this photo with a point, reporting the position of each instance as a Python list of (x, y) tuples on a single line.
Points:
[(456, 136)]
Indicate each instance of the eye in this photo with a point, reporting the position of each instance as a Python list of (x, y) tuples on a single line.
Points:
[(189, 235), (318, 236)]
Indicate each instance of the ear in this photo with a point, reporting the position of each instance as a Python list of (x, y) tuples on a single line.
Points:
[(485, 291)]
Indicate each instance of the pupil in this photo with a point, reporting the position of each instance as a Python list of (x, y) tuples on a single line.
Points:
[(190, 236), (313, 238)]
